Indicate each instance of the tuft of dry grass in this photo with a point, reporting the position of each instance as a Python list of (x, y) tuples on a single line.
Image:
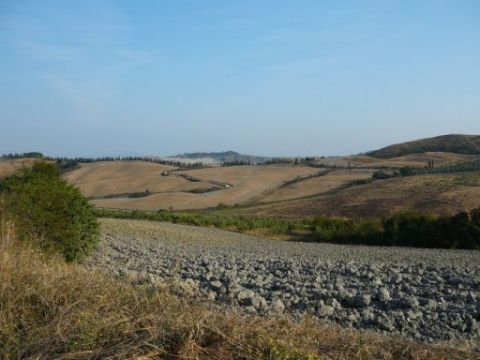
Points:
[(53, 310)]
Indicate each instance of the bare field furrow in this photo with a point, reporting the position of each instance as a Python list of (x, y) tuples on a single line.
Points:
[(425, 294)]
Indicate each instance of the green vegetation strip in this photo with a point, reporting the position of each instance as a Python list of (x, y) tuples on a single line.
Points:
[(460, 231)]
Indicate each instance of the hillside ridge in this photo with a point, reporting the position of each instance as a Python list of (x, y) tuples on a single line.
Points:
[(453, 143)]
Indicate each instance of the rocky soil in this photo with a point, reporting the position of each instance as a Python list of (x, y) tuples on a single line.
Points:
[(425, 294)]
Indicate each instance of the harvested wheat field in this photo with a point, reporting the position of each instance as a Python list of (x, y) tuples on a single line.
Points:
[(437, 194), (237, 185), (249, 181), (296, 190), (111, 178), (329, 181)]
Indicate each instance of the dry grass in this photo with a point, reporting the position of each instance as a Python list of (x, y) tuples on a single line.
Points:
[(247, 182), (8, 167), (121, 177), (251, 181), (53, 310), (254, 185), (442, 194), (317, 185)]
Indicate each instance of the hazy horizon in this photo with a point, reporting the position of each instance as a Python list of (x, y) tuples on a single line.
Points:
[(276, 78)]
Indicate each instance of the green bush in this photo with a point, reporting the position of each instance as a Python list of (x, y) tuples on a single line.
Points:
[(49, 212)]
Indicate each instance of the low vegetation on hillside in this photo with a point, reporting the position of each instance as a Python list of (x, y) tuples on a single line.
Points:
[(460, 144), (466, 166)]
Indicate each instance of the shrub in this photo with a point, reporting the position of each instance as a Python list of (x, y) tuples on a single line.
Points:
[(48, 211)]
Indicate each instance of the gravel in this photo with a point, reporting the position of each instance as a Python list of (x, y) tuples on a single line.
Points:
[(424, 294)]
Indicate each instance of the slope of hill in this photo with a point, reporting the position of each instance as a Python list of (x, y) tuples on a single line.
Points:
[(109, 178), (244, 184), (441, 194), (416, 160), (455, 143)]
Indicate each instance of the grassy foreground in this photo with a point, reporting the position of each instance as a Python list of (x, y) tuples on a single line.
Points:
[(50, 309)]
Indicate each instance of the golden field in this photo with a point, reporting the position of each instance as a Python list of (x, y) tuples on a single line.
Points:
[(276, 190), (235, 184), (438, 194)]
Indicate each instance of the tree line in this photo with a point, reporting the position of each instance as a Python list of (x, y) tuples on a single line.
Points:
[(413, 229), (65, 163), (32, 154)]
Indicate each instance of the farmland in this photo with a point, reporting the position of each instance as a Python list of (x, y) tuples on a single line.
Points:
[(340, 186), (434, 193), (331, 180), (107, 178), (179, 190), (289, 191), (302, 241)]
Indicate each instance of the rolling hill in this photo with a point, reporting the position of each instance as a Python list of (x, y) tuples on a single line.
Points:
[(454, 143), (225, 156), (440, 194)]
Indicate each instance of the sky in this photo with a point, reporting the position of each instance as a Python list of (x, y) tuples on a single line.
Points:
[(270, 77)]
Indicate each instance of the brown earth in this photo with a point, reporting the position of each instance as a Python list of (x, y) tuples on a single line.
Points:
[(123, 177), (316, 185), (283, 191), (241, 184), (438, 194)]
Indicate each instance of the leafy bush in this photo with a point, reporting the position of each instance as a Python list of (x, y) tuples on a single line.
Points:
[(48, 211)]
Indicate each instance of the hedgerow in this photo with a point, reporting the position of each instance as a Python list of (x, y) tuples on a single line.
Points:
[(460, 231)]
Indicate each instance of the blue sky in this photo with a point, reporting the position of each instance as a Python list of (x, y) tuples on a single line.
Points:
[(271, 77)]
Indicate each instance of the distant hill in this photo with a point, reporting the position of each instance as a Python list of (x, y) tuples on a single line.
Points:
[(455, 143), (225, 156)]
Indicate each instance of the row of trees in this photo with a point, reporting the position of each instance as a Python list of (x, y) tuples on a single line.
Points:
[(473, 165), (32, 154), (460, 231), (65, 163)]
